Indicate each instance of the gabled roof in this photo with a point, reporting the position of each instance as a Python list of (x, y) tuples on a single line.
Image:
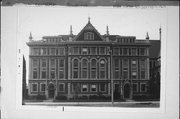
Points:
[(154, 50), (88, 27)]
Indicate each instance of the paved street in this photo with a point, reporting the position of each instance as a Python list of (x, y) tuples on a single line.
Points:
[(99, 104)]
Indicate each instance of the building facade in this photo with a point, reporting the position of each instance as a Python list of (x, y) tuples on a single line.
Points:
[(89, 64)]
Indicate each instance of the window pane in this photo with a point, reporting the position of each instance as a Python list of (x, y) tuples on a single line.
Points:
[(93, 88), (75, 74), (76, 50), (52, 74), (43, 63), (125, 74), (93, 74), (116, 63), (61, 63), (84, 88), (142, 51), (61, 74), (43, 87), (143, 87), (125, 51), (61, 87), (61, 51), (93, 63), (103, 87), (116, 74), (134, 52), (116, 51), (102, 74), (135, 88), (52, 62), (35, 51), (84, 73), (43, 74), (142, 74), (34, 87), (93, 50), (34, 74), (102, 50), (35, 63), (53, 51), (75, 63), (84, 63), (84, 51)]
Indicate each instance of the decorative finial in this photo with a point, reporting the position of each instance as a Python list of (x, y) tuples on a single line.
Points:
[(71, 32), (30, 37), (89, 19), (160, 33), (147, 36), (107, 30)]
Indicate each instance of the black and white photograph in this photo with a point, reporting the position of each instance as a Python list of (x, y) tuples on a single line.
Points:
[(79, 62), (93, 57)]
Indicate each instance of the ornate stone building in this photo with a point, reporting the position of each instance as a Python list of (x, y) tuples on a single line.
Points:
[(89, 64)]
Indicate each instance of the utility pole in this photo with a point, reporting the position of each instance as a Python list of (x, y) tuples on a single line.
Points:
[(111, 76)]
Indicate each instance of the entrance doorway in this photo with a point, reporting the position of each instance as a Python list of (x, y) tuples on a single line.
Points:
[(51, 90), (126, 91)]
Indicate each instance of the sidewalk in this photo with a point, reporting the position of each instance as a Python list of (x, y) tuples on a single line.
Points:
[(99, 104)]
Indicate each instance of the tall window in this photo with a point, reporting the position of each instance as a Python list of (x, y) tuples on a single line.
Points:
[(102, 50), (93, 50), (75, 50), (116, 68), (84, 68), (35, 69), (61, 51), (125, 69), (116, 51), (142, 51), (61, 87), (143, 87), (53, 51), (89, 36), (102, 69), (142, 68), (75, 68), (43, 69), (135, 87), (61, 68), (134, 69), (134, 51), (93, 88), (84, 51), (43, 51), (103, 87), (43, 87), (84, 88), (93, 69), (34, 87), (125, 51), (36, 51), (120, 51), (52, 71)]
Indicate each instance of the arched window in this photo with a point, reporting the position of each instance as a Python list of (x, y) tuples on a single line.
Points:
[(84, 68), (102, 67), (75, 68), (93, 69)]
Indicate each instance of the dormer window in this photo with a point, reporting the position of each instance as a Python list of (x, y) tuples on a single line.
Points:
[(89, 36)]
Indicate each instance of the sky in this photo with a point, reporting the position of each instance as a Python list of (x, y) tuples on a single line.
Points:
[(124, 21)]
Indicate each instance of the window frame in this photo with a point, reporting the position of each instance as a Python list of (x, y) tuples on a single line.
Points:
[(62, 88), (32, 87), (41, 87)]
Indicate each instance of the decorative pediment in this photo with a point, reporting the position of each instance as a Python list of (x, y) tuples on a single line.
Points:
[(89, 33)]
